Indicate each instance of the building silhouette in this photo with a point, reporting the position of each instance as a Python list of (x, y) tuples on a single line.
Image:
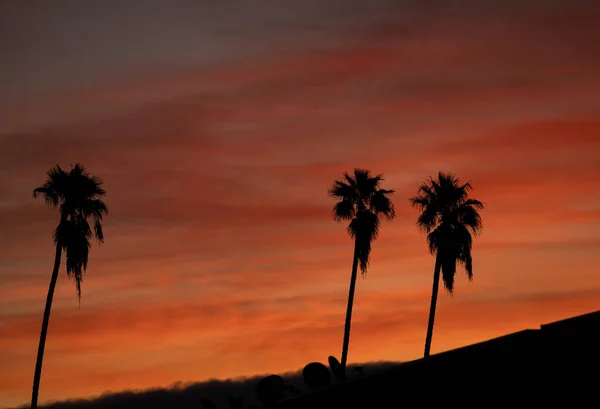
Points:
[(557, 364)]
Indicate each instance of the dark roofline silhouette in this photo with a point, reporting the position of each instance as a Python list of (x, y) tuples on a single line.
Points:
[(556, 363)]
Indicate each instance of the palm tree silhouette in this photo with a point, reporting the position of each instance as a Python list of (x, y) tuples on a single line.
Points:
[(448, 216), (362, 201), (77, 195)]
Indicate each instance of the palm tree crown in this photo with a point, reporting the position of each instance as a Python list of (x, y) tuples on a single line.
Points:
[(362, 202), (78, 197), (449, 217)]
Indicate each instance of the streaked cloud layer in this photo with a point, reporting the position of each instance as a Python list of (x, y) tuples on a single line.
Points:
[(217, 147)]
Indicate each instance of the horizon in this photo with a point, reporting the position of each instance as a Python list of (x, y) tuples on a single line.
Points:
[(217, 390), (217, 130)]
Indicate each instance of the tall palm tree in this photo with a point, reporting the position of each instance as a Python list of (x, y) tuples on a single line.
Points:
[(362, 201), (449, 217), (77, 195)]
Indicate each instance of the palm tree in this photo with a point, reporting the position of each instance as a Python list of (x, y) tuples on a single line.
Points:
[(448, 216), (362, 201), (77, 195)]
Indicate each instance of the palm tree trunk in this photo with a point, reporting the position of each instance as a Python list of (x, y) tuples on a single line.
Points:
[(434, 296), (40, 354), (349, 308)]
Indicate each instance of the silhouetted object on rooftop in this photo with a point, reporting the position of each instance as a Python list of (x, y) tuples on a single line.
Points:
[(77, 195), (207, 404), (362, 201), (234, 403), (270, 389), (448, 216), (316, 375), (336, 368)]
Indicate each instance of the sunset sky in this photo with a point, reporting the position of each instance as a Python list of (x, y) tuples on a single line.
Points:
[(218, 127)]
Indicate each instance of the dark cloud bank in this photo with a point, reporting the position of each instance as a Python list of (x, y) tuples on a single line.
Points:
[(184, 396)]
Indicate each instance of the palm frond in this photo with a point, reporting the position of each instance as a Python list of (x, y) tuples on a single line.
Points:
[(380, 203), (468, 216), (78, 194), (365, 228), (449, 216), (419, 202), (360, 176), (95, 208), (361, 201), (464, 258), (343, 210), (73, 235), (428, 219), (49, 194), (474, 203), (53, 187), (341, 190), (366, 184), (428, 191), (98, 232), (433, 241), (351, 181), (436, 186), (428, 204), (448, 271)]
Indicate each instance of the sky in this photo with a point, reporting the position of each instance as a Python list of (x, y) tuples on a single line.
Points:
[(218, 127)]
